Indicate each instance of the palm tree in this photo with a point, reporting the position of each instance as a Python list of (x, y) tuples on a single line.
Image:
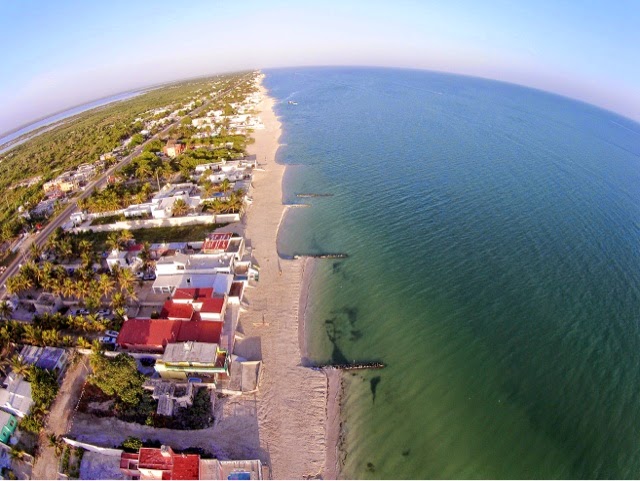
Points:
[(65, 248), (126, 280), (125, 237), (225, 185), (140, 198), (19, 283), (68, 288), (83, 288), (145, 256), (179, 208), (113, 241), (82, 343), (118, 301), (36, 251), (5, 310), (19, 367), (105, 285), (96, 347), (85, 246), (32, 335), (50, 337), (143, 170)]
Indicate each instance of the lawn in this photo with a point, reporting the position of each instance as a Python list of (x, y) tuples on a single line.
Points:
[(187, 233)]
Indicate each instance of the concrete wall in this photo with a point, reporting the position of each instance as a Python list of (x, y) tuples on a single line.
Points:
[(91, 447), (171, 222)]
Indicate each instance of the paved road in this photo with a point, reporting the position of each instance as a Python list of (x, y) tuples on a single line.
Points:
[(41, 237)]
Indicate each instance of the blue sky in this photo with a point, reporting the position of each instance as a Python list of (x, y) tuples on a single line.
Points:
[(59, 54)]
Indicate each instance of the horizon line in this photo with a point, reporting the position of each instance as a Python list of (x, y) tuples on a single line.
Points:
[(154, 86)]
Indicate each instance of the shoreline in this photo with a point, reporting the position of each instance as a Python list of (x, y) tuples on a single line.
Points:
[(292, 404)]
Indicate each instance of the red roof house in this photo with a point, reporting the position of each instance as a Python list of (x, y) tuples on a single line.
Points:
[(163, 463), (153, 335)]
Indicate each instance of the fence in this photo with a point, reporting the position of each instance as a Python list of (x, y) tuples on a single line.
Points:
[(170, 222)]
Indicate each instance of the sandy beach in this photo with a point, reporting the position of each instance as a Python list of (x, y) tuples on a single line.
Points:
[(292, 403)]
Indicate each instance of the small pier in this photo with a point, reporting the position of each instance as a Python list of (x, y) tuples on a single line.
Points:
[(321, 256), (351, 367), (313, 195)]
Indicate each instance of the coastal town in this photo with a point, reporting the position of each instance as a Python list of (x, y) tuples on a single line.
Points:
[(132, 344)]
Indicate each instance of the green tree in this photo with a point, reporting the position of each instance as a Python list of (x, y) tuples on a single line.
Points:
[(44, 387), (180, 208), (136, 140), (132, 443), (117, 377), (5, 310)]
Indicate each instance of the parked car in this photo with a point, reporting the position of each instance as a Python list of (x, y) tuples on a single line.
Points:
[(150, 276), (81, 312), (112, 333), (104, 312), (107, 340), (140, 275)]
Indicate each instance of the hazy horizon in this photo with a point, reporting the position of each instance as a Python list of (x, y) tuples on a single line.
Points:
[(70, 54)]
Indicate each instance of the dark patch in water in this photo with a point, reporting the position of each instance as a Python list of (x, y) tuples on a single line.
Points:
[(374, 386), (336, 334), (333, 333)]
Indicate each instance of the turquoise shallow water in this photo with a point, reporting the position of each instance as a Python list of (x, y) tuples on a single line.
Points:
[(492, 234)]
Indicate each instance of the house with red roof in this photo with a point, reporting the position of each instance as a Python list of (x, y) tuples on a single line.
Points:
[(209, 305), (164, 463), (153, 335), (160, 463)]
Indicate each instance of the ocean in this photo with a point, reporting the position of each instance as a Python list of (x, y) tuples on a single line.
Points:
[(492, 234)]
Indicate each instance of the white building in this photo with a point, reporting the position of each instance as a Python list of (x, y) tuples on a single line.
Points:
[(124, 260), (15, 397)]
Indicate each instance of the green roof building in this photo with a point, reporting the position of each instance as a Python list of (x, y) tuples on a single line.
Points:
[(9, 424)]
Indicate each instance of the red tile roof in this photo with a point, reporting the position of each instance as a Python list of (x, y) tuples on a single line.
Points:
[(155, 334), (186, 466), (200, 331), (213, 305), (152, 458), (191, 293), (177, 311), (216, 242), (148, 333)]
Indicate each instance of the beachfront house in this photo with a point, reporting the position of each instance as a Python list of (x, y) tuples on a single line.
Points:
[(160, 463), (153, 335), (164, 463), (198, 362)]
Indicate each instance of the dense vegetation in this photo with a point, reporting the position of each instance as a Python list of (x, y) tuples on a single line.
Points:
[(83, 139), (44, 388)]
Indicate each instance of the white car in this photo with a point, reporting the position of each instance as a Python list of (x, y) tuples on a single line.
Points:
[(112, 333), (107, 340)]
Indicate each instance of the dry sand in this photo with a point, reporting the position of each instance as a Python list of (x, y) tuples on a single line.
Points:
[(292, 400)]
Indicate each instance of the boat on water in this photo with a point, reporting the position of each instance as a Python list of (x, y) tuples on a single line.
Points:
[(291, 102)]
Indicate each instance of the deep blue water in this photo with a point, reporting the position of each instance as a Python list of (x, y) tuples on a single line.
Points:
[(494, 266)]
